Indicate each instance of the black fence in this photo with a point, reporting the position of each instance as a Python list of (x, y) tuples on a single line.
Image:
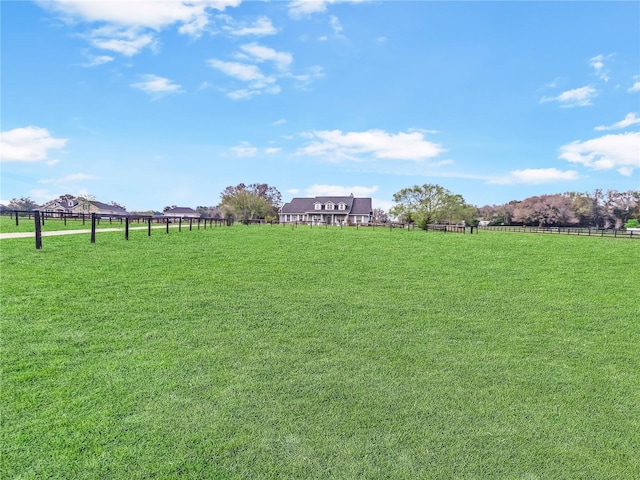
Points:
[(92, 221), (586, 232)]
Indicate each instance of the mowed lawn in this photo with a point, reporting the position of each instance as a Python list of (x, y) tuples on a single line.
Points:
[(268, 352)]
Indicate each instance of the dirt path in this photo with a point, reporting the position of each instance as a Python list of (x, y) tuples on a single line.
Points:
[(71, 232)]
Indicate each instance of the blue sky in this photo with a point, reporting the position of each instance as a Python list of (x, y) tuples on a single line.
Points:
[(168, 102)]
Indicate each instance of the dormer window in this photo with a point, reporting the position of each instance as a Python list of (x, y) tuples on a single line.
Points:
[(328, 206), (341, 206), (317, 206)]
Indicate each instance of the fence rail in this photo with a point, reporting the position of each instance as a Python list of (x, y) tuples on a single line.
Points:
[(39, 220), (587, 232)]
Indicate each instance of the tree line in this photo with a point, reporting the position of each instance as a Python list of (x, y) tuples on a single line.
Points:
[(433, 204)]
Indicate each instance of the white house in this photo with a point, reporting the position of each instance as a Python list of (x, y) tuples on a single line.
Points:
[(182, 212), (328, 210)]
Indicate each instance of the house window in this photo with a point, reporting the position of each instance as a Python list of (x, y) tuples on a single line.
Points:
[(341, 206), (318, 206), (329, 206)]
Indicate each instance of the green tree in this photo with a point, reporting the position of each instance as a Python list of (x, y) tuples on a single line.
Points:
[(429, 204), (245, 205), (258, 200)]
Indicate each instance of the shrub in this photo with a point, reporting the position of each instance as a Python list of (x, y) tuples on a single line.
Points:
[(632, 223)]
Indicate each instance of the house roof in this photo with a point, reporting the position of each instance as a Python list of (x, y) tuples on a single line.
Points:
[(179, 210), (354, 206), (107, 206), (66, 203)]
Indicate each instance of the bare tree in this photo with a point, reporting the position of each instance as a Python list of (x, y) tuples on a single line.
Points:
[(380, 216), (22, 203), (545, 210)]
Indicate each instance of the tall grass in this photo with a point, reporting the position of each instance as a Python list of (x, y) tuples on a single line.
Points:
[(280, 352)]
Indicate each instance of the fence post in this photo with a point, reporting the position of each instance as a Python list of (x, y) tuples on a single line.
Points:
[(36, 217), (93, 228), (149, 227), (190, 224), (180, 224), (16, 218), (167, 224), (126, 228)]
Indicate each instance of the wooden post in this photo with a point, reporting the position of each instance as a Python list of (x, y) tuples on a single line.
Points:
[(93, 228), (16, 218), (190, 224), (36, 217), (180, 224), (126, 228), (167, 224), (149, 227)]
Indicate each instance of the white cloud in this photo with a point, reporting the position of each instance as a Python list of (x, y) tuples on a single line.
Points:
[(535, 176), (336, 26), (304, 79), (125, 41), (303, 8), (257, 82), (128, 28), (378, 144), (75, 177), (339, 190), (597, 63), (629, 119), (28, 144), (262, 26), (245, 150), (277, 123), (578, 97), (260, 53), (96, 60), (613, 151), (241, 71), (636, 85), (272, 150), (156, 86)]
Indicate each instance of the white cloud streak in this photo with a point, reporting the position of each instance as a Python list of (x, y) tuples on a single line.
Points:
[(156, 86), (262, 26), (28, 144), (74, 177), (260, 53), (614, 151), (303, 8), (629, 120), (378, 144), (578, 97), (535, 176), (597, 63), (129, 28), (319, 190)]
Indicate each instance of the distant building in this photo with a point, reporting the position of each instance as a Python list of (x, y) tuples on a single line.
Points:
[(182, 212), (63, 204), (333, 210), (99, 208)]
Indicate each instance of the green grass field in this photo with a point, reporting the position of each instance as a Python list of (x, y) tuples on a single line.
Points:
[(26, 224), (276, 352)]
